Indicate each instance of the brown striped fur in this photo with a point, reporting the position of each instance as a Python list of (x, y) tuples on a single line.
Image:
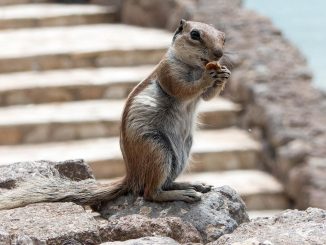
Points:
[(156, 131), (158, 119)]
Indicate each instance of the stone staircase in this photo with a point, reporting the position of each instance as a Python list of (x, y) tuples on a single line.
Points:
[(65, 73)]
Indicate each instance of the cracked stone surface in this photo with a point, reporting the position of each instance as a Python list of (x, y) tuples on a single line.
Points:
[(12, 174), (219, 212), (290, 227), (52, 223)]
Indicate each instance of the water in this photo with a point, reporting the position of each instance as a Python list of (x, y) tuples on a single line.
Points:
[(303, 22)]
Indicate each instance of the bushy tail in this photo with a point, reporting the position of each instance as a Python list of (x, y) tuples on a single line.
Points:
[(41, 189)]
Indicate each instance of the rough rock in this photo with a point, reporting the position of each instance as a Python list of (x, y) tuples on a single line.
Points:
[(156, 13), (291, 154), (135, 226), (12, 174), (4, 236), (128, 217), (307, 183), (220, 211), (290, 227), (146, 241), (48, 223)]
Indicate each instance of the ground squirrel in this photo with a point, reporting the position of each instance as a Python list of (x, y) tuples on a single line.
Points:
[(157, 126)]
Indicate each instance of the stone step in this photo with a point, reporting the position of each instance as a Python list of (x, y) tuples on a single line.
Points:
[(87, 119), (42, 15), (35, 87), (213, 150), (12, 2), (263, 213), (95, 45), (259, 190)]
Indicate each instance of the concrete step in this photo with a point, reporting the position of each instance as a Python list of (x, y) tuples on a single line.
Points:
[(35, 87), (95, 45), (12, 2), (259, 190), (42, 15), (87, 119), (213, 150)]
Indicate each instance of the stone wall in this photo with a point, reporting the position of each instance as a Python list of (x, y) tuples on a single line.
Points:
[(271, 80), (162, 14)]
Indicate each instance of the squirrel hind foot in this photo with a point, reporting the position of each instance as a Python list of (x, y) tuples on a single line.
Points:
[(188, 195)]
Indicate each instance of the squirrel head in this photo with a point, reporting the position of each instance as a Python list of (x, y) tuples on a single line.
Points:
[(196, 43)]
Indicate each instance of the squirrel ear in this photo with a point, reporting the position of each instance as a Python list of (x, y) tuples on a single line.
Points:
[(182, 22), (179, 29)]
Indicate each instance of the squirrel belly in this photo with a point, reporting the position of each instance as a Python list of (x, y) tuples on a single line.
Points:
[(156, 129)]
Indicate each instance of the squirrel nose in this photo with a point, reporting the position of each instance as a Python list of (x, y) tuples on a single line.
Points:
[(218, 53)]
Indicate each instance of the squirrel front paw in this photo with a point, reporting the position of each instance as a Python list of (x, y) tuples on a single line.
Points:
[(208, 79), (220, 76), (216, 77)]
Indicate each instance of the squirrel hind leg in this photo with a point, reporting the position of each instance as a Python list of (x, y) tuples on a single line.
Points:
[(157, 193), (159, 176), (199, 187), (188, 195), (159, 167)]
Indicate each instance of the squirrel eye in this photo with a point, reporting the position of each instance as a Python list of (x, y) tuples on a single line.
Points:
[(195, 35)]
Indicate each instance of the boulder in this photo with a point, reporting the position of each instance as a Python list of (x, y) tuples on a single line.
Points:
[(291, 227), (136, 226), (128, 217), (219, 212), (12, 174), (48, 223)]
